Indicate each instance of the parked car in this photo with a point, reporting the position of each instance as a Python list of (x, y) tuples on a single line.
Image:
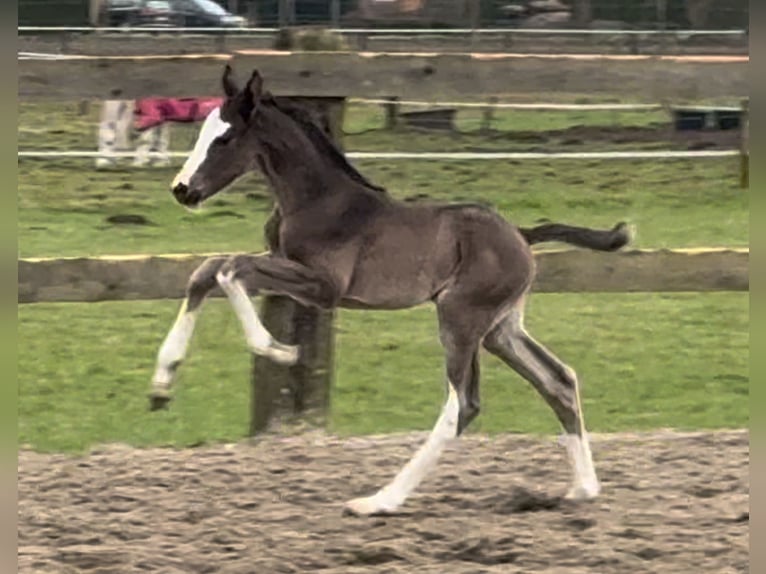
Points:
[(159, 13), (204, 13), (137, 13), (156, 13)]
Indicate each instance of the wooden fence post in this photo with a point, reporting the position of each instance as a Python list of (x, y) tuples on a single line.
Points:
[(474, 20), (299, 394), (283, 395), (744, 152), (488, 114), (392, 112)]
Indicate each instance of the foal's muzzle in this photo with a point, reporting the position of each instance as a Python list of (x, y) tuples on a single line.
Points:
[(186, 197)]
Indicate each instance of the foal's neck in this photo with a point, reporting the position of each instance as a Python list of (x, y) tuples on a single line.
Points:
[(300, 181)]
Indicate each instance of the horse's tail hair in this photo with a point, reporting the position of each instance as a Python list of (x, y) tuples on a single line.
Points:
[(596, 239)]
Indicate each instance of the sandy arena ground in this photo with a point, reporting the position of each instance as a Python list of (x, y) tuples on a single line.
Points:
[(672, 503)]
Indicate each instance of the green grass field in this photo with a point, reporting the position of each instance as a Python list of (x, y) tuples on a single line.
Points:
[(63, 207), (645, 360)]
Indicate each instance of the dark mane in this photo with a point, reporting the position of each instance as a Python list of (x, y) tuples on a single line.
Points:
[(322, 141)]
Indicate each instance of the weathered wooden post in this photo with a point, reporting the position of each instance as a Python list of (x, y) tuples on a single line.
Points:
[(301, 393), (488, 114), (392, 112), (744, 152), (474, 20)]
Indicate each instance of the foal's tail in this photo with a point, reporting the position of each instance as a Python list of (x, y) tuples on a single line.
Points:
[(597, 239)]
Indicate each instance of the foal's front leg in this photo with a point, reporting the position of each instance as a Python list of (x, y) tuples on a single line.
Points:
[(243, 276), (212, 272), (173, 350)]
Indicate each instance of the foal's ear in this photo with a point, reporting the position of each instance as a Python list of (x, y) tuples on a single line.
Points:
[(251, 94), (247, 101), (229, 86), (254, 86)]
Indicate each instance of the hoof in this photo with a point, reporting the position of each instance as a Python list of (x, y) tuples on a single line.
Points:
[(622, 234), (367, 506), (582, 493), (280, 353), (158, 401)]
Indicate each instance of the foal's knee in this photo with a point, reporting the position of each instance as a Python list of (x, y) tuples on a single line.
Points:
[(202, 281), (234, 266), (327, 296)]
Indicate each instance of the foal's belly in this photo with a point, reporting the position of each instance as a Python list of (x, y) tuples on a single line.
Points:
[(403, 257), (380, 305), (388, 293), (387, 278)]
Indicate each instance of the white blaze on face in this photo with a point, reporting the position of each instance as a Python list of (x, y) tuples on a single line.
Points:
[(212, 127)]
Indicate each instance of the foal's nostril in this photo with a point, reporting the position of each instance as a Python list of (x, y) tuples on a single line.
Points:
[(193, 198), (179, 191)]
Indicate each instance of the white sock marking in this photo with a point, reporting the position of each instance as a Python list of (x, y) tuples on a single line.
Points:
[(173, 349), (412, 474), (258, 338), (586, 483)]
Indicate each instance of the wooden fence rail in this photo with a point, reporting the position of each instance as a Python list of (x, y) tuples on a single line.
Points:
[(301, 393), (126, 278), (384, 75)]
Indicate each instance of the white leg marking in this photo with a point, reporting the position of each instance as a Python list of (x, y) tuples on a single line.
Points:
[(393, 495), (259, 340), (173, 349), (586, 485)]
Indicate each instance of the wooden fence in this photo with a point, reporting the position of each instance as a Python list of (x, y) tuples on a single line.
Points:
[(421, 76)]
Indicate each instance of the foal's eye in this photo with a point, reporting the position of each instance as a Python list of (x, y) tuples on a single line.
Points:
[(222, 140)]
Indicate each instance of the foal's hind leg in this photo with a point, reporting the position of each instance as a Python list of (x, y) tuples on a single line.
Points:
[(176, 343), (557, 383)]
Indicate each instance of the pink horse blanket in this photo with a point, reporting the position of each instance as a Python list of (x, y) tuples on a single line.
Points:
[(151, 112)]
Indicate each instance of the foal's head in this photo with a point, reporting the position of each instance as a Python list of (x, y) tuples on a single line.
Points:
[(248, 130)]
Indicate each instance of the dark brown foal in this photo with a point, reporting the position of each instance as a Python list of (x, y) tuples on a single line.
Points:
[(343, 242)]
